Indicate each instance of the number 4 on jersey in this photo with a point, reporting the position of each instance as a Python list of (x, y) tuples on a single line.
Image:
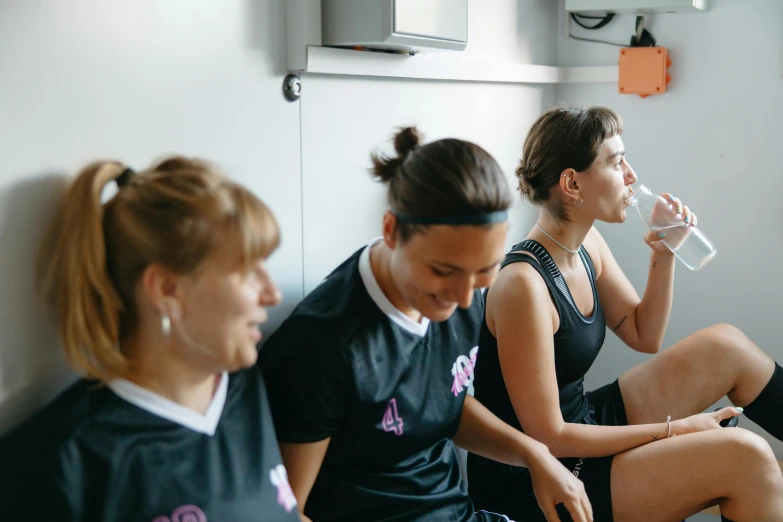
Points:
[(391, 420)]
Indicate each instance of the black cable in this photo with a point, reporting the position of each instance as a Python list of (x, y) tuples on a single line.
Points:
[(645, 37), (604, 20), (592, 17), (596, 41)]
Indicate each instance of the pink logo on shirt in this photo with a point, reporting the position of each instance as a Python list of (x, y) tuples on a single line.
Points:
[(189, 513), (285, 496), (462, 370)]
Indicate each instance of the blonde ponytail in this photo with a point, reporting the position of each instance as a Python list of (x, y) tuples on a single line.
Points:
[(73, 278)]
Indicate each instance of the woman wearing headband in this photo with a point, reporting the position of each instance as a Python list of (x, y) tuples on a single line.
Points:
[(158, 296), (368, 378)]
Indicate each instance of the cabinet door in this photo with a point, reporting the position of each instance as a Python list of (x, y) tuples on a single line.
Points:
[(442, 19)]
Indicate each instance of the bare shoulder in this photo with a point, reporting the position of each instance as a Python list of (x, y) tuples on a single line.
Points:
[(518, 289), (596, 246), (517, 283)]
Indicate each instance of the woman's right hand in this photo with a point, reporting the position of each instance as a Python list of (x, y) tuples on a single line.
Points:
[(703, 421), (666, 217), (553, 484)]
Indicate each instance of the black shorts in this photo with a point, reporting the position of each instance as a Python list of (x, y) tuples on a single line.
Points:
[(516, 498)]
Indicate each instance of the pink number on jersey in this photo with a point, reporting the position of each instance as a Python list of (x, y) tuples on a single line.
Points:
[(391, 420), (189, 513)]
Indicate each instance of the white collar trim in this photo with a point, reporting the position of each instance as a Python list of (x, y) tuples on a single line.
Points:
[(380, 299), (162, 407)]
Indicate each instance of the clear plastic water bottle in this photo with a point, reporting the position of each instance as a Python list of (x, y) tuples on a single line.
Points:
[(688, 243)]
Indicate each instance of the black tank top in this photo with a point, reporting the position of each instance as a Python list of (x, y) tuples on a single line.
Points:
[(577, 343)]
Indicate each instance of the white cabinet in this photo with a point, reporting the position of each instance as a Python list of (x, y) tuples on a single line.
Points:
[(400, 25), (637, 6)]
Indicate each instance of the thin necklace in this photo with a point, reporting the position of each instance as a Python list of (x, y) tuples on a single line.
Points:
[(561, 245)]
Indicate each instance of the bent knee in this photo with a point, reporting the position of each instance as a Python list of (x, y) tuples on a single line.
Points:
[(725, 336), (757, 467), (723, 331), (749, 447)]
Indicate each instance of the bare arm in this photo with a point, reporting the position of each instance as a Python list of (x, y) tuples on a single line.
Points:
[(639, 323), (302, 462), (523, 319), (481, 432)]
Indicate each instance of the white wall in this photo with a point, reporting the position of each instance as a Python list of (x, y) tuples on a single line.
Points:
[(133, 80), (516, 31), (342, 205), (713, 140), (345, 118)]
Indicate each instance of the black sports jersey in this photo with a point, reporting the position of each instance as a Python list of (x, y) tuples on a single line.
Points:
[(387, 390), (576, 344), (91, 455)]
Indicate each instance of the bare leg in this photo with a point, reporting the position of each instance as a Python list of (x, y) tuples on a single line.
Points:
[(674, 478), (694, 373)]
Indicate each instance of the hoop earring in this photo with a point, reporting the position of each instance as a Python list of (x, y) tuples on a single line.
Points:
[(581, 202), (165, 326)]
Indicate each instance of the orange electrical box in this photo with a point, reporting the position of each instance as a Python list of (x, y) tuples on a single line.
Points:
[(643, 70)]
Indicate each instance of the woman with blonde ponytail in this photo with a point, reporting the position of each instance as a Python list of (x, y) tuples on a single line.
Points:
[(158, 296)]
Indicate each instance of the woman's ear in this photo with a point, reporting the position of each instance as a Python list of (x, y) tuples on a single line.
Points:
[(569, 185), (161, 287), (390, 229)]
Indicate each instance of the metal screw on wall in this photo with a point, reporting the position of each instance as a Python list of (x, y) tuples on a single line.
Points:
[(292, 87)]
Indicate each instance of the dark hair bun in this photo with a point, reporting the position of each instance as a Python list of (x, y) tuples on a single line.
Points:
[(406, 141), (384, 168), (529, 187)]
